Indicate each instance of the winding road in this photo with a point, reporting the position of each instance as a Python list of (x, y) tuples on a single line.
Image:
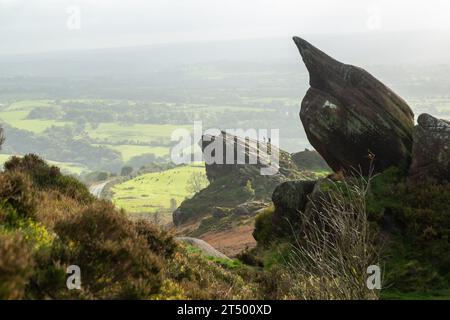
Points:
[(206, 248), (96, 189)]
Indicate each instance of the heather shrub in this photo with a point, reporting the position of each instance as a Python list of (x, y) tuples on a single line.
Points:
[(275, 283), (73, 188), (263, 232), (415, 220), (425, 215), (48, 280), (192, 275), (16, 264), (40, 172), (159, 240), (114, 258), (54, 207), (47, 177), (48, 222), (17, 192), (249, 258), (418, 255)]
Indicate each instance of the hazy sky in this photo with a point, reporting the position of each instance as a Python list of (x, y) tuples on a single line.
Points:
[(43, 25)]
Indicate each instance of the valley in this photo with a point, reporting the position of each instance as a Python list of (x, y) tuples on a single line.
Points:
[(102, 165), (135, 143)]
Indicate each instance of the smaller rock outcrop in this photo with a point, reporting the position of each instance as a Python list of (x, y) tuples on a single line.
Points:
[(290, 198), (431, 150), (238, 188)]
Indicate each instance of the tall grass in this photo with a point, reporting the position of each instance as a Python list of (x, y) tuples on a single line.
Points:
[(329, 258)]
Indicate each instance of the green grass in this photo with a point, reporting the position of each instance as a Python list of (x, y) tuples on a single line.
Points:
[(152, 192), (225, 263), (28, 105), (143, 133), (4, 158), (433, 295), (36, 126), (129, 151), (91, 101), (16, 113), (70, 168), (322, 173)]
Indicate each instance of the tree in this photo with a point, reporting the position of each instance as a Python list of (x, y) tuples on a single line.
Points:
[(2, 137), (102, 176), (126, 171), (196, 182)]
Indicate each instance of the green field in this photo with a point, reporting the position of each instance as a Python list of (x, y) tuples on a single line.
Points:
[(29, 104), (16, 114), (134, 137), (129, 151), (130, 140), (153, 192), (138, 133), (4, 158)]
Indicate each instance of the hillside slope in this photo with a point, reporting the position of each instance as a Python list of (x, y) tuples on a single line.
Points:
[(49, 221), (157, 192)]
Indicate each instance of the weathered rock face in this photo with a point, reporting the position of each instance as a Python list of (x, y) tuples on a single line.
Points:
[(178, 216), (249, 208), (290, 198), (348, 115), (431, 149), (227, 164)]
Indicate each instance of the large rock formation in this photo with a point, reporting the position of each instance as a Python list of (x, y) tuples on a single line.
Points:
[(431, 150), (255, 158), (349, 116), (238, 189)]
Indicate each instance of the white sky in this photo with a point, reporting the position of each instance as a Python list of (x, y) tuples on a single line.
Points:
[(42, 25)]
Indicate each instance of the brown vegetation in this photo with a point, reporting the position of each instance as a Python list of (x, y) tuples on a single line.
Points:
[(47, 223)]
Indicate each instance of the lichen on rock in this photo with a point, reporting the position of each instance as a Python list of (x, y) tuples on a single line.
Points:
[(349, 116)]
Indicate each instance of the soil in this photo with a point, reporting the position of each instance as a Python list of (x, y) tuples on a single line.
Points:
[(232, 241)]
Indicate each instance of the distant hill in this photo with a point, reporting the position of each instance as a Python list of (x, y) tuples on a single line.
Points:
[(131, 69), (310, 160)]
